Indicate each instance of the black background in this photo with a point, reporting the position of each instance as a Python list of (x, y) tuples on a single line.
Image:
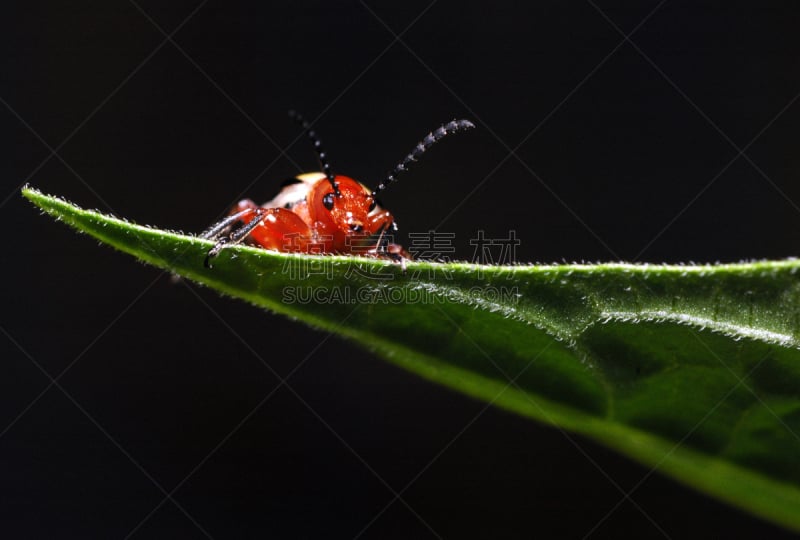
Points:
[(613, 141)]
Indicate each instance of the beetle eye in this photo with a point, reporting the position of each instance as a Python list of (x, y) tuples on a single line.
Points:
[(327, 201), (372, 205)]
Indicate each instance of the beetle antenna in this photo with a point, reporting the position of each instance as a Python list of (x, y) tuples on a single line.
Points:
[(323, 157), (430, 139)]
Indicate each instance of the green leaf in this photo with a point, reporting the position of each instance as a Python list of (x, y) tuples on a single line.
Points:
[(691, 369)]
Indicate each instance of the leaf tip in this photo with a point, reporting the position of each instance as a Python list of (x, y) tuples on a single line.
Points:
[(28, 192), (34, 195)]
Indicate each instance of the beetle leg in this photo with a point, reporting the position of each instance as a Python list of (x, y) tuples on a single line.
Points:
[(223, 226), (385, 249), (383, 241), (236, 236)]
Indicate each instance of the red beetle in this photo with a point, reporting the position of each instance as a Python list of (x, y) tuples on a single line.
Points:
[(322, 212)]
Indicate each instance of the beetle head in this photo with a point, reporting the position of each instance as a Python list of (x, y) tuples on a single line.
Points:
[(345, 214)]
